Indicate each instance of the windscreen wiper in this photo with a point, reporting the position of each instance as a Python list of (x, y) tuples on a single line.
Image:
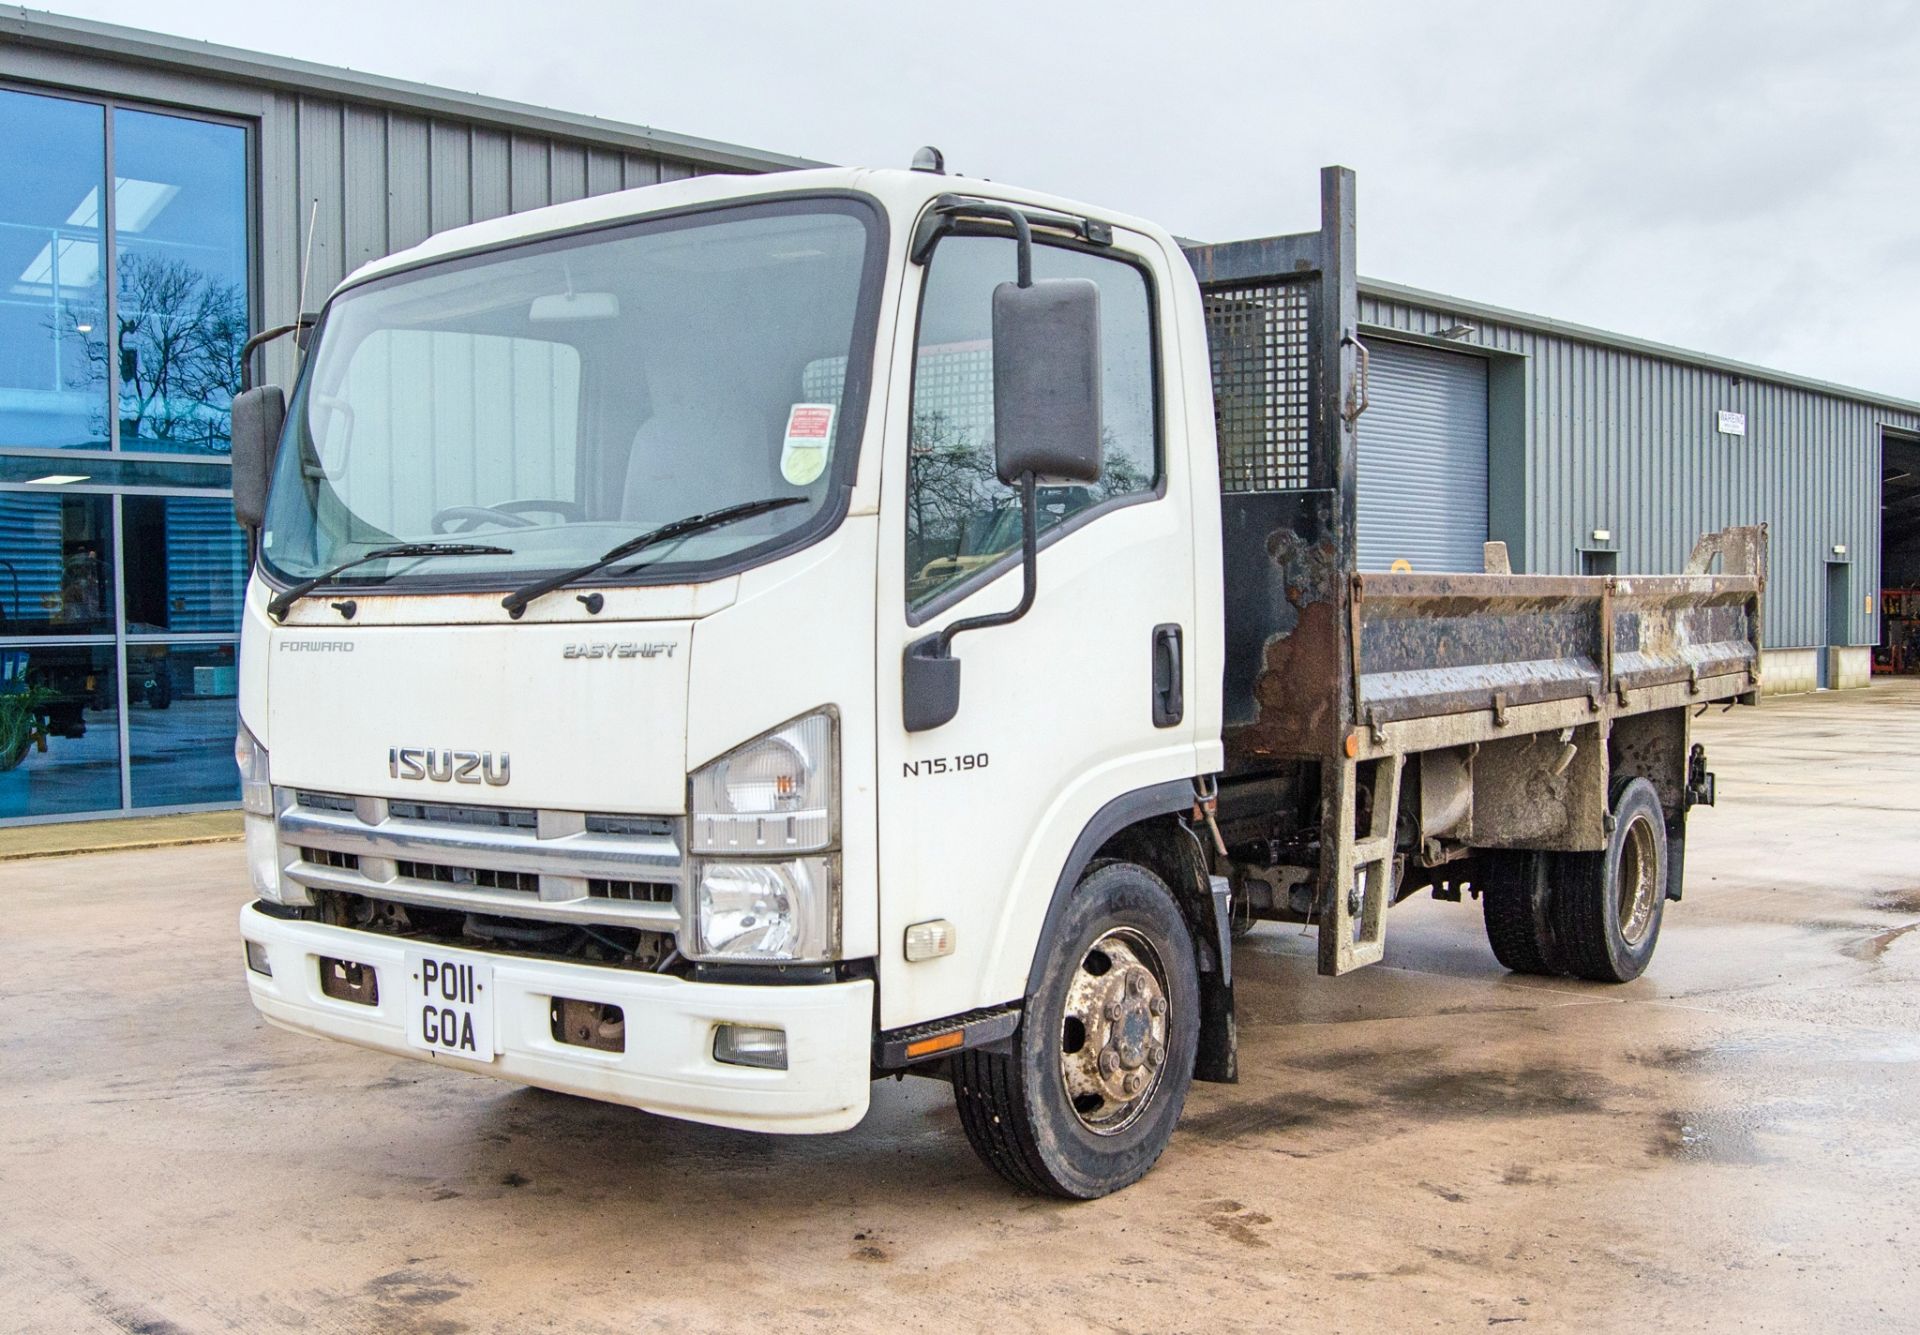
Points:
[(516, 602), (278, 607)]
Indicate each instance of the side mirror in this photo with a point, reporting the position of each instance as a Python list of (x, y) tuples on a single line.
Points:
[(258, 416), (1046, 381)]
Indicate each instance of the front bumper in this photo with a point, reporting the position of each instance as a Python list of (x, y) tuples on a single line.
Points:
[(668, 1066)]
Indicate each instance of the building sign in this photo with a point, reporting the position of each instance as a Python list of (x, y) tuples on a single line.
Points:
[(1730, 424)]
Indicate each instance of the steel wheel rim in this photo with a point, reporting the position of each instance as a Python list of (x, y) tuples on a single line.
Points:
[(1639, 882), (1113, 1035)]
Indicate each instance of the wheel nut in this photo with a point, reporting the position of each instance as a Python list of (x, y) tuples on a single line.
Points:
[(1113, 1010), (1155, 1055), (1136, 985), (1158, 1006), (1133, 1084), (1109, 1063)]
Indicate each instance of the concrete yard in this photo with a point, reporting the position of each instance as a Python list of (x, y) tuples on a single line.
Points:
[(1729, 1143)]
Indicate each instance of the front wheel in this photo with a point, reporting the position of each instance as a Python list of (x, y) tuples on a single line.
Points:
[(1087, 1099)]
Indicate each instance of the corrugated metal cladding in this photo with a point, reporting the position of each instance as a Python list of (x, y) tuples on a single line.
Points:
[(1422, 476), (1621, 439)]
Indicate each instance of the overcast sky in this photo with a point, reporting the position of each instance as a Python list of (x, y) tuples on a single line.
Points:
[(1737, 177)]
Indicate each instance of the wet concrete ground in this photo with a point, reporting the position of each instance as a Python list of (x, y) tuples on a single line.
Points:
[(1729, 1143)]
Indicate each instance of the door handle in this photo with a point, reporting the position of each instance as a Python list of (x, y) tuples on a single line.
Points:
[(1169, 691)]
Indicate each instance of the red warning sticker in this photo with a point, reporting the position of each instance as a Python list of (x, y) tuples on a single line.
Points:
[(803, 454)]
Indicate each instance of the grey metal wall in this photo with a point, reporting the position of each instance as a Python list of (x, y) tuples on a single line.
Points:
[(1620, 438)]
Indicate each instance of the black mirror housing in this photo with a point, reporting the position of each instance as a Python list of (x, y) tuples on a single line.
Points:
[(1046, 380), (258, 416)]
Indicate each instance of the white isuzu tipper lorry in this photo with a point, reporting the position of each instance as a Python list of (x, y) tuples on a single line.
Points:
[(716, 645)]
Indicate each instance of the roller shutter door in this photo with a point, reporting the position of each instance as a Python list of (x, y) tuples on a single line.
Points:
[(1422, 482)]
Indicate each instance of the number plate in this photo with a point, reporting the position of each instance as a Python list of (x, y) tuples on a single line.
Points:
[(450, 1004)]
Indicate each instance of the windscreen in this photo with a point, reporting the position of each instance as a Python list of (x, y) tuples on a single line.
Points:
[(559, 398)]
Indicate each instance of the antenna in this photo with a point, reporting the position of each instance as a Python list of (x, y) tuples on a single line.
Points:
[(306, 262)]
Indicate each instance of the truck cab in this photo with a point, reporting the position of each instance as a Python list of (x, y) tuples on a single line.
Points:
[(716, 644)]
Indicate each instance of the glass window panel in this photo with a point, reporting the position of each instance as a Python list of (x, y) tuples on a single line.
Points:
[(53, 329), (188, 566), (960, 516), (180, 723), (180, 260), (59, 730), (56, 564)]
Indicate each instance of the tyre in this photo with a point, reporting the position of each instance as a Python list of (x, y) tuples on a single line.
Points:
[(1608, 905), (1087, 1099), (1514, 897)]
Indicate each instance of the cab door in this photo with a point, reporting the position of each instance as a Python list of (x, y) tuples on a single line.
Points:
[(1061, 711)]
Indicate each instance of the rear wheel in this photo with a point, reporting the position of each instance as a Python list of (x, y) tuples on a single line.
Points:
[(1514, 897), (1608, 907), (1101, 1063)]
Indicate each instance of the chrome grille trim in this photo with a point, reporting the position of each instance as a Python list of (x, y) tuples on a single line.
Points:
[(558, 849)]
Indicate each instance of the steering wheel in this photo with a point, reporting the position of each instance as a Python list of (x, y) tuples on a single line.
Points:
[(508, 514)]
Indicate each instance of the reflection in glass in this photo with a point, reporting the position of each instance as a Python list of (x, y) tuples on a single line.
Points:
[(180, 723), (180, 259), (52, 290), (56, 564), (191, 566), (59, 730)]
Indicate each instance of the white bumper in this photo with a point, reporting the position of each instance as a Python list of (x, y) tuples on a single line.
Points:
[(668, 1066)]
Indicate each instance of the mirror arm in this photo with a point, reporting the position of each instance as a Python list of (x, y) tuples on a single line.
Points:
[(264, 337), (1029, 567), (930, 677), (985, 208)]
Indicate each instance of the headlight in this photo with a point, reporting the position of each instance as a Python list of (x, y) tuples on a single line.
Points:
[(777, 794), (752, 811), (263, 840), (787, 911), (256, 787)]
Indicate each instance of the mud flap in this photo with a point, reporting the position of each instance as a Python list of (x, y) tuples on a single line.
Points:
[(1218, 1059)]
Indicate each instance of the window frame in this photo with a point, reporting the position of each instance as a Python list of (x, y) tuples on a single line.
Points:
[(964, 588), (110, 101)]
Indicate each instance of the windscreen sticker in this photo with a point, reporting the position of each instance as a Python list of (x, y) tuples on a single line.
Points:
[(803, 455)]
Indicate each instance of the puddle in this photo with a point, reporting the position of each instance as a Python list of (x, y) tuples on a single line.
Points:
[(1719, 1136)]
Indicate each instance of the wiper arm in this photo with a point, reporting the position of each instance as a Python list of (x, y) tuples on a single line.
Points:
[(278, 607), (516, 602)]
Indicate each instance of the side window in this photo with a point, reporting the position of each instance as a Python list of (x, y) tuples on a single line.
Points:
[(960, 517)]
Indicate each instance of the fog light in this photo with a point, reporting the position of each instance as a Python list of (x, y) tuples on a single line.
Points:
[(744, 1045), (257, 959)]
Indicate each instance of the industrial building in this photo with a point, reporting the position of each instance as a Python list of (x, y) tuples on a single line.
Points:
[(237, 179)]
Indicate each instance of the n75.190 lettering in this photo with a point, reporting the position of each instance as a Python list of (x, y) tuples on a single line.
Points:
[(921, 769)]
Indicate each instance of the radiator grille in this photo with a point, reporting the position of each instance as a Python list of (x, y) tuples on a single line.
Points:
[(484, 878), (1262, 384), (638, 892), (326, 857)]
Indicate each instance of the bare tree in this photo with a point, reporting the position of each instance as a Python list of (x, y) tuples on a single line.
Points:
[(176, 351)]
